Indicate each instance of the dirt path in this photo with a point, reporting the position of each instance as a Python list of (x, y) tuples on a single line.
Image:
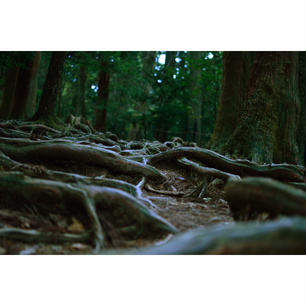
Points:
[(80, 193)]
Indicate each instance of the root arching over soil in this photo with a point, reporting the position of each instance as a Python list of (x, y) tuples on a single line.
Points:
[(79, 191)]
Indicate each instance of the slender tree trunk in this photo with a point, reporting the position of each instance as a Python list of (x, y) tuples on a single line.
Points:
[(47, 105), (31, 105), (82, 73), (103, 92), (59, 99), (10, 81), (169, 69), (265, 124), (195, 107)]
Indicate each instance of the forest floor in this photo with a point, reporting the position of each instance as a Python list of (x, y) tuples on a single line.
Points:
[(86, 192)]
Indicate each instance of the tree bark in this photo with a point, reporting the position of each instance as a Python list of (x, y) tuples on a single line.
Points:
[(26, 86), (260, 118), (162, 124), (11, 76), (47, 105), (82, 74), (103, 93), (195, 107), (302, 121), (236, 71)]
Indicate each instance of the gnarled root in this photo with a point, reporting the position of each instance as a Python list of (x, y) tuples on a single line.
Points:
[(258, 195), (243, 168), (96, 207), (33, 151), (283, 236), (205, 171)]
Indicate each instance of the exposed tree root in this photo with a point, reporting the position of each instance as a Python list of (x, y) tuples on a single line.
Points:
[(205, 171), (53, 151), (283, 236), (282, 172), (127, 214), (41, 172), (40, 194), (264, 195)]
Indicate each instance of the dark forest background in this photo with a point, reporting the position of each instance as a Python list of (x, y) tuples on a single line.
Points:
[(249, 104)]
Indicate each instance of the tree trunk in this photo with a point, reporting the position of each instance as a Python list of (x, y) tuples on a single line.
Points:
[(103, 92), (10, 81), (260, 117), (148, 59), (236, 71), (25, 90), (302, 91), (31, 104), (47, 105), (82, 74), (166, 96), (195, 106)]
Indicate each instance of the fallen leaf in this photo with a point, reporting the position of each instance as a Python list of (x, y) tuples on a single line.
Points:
[(76, 226)]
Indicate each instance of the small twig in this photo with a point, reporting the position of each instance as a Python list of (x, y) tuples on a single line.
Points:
[(166, 192)]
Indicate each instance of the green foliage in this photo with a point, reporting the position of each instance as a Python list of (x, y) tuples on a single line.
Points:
[(148, 96)]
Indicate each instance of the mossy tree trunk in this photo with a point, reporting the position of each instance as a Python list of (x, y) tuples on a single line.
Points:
[(261, 117), (47, 105), (103, 93)]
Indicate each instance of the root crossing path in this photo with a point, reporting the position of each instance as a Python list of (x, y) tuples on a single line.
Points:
[(79, 191)]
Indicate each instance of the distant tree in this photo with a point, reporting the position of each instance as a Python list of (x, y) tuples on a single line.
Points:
[(103, 93), (195, 100), (26, 87), (166, 95), (260, 107), (20, 85), (82, 75), (8, 96), (47, 106)]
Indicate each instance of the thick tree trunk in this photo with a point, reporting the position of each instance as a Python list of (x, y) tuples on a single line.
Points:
[(47, 105), (236, 71), (103, 92), (10, 81), (263, 123)]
